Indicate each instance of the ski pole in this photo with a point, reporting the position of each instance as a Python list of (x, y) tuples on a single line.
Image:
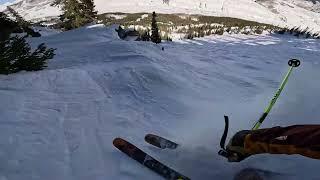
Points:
[(292, 63)]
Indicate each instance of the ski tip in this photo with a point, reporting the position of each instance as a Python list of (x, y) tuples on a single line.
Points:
[(160, 142), (118, 142), (122, 144), (148, 136), (154, 140), (151, 138)]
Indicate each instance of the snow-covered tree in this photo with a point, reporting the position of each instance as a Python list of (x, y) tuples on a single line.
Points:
[(166, 2)]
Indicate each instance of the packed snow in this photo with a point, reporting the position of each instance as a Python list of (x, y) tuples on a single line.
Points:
[(59, 123)]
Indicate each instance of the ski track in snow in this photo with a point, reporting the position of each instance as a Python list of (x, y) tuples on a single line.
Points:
[(59, 123)]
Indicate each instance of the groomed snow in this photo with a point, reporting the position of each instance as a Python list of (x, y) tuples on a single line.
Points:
[(59, 123)]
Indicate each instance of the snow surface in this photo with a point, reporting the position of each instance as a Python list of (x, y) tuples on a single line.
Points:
[(59, 123), (7, 3)]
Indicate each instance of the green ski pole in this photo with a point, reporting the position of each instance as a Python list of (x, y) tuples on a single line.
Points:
[(224, 152), (292, 63)]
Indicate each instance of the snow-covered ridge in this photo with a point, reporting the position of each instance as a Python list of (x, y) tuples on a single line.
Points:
[(34, 9), (278, 12), (295, 12), (313, 5)]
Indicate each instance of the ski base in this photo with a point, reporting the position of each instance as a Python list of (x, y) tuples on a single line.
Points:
[(147, 160)]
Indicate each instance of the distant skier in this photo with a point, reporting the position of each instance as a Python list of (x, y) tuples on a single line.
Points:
[(297, 139)]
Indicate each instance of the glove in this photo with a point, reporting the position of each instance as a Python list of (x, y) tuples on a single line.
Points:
[(235, 147)]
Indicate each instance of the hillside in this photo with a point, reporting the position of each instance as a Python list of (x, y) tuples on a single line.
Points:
[(277, 12)]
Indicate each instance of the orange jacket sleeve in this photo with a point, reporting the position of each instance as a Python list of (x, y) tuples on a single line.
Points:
[(298, 139)]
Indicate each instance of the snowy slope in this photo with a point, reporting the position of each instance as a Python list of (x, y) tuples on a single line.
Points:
[(277, 12), (34, 9), (296, 13), (313, 5), (3, 6), (246, 9), (59, 123)]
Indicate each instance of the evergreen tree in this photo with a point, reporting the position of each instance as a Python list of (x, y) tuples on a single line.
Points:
[(200, 32), (155, 37), (308, 34), (16, 55), (166, 2), (18, 18), (25, 25), (145, 36), (76, 13), (15, 52), (7, 27), (72, 15), (88, 9)]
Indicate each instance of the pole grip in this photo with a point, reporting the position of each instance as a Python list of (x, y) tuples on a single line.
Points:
[(225, 132), (294, 62)]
